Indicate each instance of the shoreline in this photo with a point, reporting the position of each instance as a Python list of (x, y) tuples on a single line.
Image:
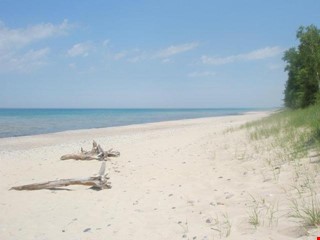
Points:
[(53, 138), (29, 122)]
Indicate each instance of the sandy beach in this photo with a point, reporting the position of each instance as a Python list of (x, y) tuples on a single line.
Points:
[(188, 179)]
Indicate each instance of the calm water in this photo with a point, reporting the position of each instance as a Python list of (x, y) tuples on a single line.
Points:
[(22, 122)]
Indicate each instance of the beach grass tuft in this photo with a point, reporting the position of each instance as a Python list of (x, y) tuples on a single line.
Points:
[(295, 132), (307, 210)]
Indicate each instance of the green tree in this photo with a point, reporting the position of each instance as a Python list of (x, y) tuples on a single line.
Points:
[(303, 67), (293, 94)]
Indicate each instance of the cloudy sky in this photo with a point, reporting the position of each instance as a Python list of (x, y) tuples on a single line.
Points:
[(146, 54)]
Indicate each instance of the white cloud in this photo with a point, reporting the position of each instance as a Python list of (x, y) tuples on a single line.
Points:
[(217, 60), (14, 38), (175, 49), (137, 58), (15, 51), (80, 49), (134, 55), (120, 55), (263, 53), (137, 55), (201, 74), (105, 43), (258, 54), (72, 65), (166, 60), (24, 62)]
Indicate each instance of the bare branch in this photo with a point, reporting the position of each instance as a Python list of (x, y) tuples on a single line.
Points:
[(96, 153), (102, 168)]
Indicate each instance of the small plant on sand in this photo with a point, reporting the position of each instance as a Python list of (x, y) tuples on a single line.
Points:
[(262, 211), (304, 177), (254, 213), (254, 218), (221, 226), (240, 154), (272, 210), (305, 202), (307, 211), (229, 130)]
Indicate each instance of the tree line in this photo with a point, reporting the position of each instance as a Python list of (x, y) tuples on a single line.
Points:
[(303, 67)]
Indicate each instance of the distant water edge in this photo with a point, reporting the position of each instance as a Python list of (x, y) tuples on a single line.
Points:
[(24, 122)]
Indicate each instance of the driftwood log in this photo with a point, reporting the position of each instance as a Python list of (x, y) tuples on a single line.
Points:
[(97, 182), (96, 153)]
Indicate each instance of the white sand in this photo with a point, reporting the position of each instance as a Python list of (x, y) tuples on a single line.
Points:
[(173, 180)]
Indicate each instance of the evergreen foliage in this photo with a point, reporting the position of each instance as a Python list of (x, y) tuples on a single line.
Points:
[(303, 67)]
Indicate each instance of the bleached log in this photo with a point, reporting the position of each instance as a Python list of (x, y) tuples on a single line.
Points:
[(96, 153), (98, 182), (95, 182), (78, 157)]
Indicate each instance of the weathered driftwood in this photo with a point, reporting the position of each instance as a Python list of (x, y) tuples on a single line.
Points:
[(97, 182), (96, 153)]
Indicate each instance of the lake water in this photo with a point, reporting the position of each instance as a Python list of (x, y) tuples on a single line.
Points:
[(22, 122)]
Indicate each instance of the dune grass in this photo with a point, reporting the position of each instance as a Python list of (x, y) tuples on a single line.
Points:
[(296, 131), (308, 211), (292, 139)]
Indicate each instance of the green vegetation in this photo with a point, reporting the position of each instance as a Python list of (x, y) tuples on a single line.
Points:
[(290, 140), (287, 143), (308, 212), (295, 131), (222, 226), (254, 217), (261, 211), (303, 67)]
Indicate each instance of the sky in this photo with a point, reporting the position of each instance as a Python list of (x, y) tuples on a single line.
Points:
[(147, 53)]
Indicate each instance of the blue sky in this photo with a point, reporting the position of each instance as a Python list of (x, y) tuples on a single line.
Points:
[(145, 54)]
